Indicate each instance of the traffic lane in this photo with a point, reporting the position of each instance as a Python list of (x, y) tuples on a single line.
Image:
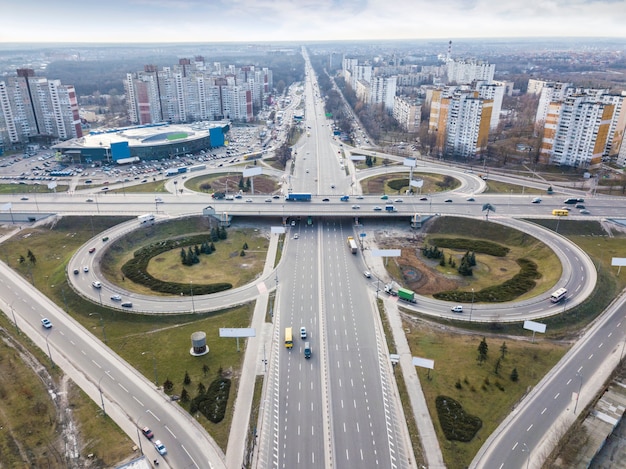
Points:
[(560, 392)]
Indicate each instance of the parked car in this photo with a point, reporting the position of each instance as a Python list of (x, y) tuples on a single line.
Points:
[(45, 322)]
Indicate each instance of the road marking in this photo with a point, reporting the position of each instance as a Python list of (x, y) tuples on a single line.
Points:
[(579, 369), (171, 432), (122, 386), (542, 412), (531, 426), (557, 395), (140, 403), (601, 344), (568, 381), (61, 332), (514, 446), (590, 357), (152, 413), (610, 334), (192, 460), (96, 363), (72, 342)]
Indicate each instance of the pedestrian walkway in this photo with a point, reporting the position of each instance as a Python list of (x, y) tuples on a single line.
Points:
[(253, 365)]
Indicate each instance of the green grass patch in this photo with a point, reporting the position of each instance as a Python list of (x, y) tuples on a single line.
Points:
[(498, 187), (31, 189), (156, 185), (477, 388), (394, 183)]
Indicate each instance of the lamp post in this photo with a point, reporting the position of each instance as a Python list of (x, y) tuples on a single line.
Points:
[(101, 396), (104, 335), (580, 385), (15, 321), (193, 306), (156, 378), (139, 435), (472, 306), (528, 457), (49, 353)]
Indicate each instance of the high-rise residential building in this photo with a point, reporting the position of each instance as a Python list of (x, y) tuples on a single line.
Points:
[(460, 118), (576, 132), (35, 107), (463, 72), (548, 93), (193, 91), (494, 92), (408, 113), (383, 91)]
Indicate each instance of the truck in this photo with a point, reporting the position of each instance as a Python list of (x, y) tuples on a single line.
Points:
[(390, 208), (198, 167), (345, 198), (352, 245), (406, 295), (298, 197), (218, 195), (145, 218), (402, 293)]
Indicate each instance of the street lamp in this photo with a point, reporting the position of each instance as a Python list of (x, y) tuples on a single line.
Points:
[(104, 335), (472, 306), (156, 378), (580, 385), (101, 396), (528, 457), (49, 353), (193, 306), (15, 321)]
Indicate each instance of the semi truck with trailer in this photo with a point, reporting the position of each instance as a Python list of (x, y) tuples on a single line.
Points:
[(298, 197), (352, 245), (402, 293)]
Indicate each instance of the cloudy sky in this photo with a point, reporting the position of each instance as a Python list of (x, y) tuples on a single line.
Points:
[(304, 20)]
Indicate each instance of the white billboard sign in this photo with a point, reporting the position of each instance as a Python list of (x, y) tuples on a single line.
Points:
[(417, 183), (535, 326), (386, 252), (618, 261), (253, 171), (411, 162), (237, 332), (52, 185), (354, 157), (278, 229), (424, 363)]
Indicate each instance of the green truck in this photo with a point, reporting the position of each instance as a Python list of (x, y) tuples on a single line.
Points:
[(406, 295)]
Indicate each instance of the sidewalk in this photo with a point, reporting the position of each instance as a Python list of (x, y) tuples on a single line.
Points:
[(428, 437), (253, 365)]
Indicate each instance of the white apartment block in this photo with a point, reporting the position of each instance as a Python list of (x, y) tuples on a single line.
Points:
[(383, 91), (465, 72), (192, 91), (576, 132), (407, 113), (33, 106), (496, 94)]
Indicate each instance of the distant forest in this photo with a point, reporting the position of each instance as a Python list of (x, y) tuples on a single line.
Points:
[(107, 76)]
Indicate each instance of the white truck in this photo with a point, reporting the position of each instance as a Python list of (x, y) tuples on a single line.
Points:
[(145, 218)]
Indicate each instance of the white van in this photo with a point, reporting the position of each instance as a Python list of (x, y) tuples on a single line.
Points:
[(457, 309)]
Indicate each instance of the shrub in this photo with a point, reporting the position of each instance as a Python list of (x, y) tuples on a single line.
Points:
[(212, 404), (455, 422)]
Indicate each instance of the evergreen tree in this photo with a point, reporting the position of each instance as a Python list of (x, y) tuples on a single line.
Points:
[(503, 350), (245, 245), (248, 184), (222, 233), (497, 367), (241, 186), (483, 348), (473, 259), (242, 253), (196, 250), (214, 234), (187, 379), (201, 388), (183, 256), (168, 386), (514, 375)]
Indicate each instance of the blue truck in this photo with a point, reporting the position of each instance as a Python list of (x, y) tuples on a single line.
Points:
[(345, 198), (390, 208), (298, 197)]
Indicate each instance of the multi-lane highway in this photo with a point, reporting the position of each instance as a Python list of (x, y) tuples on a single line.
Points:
[(335, 407)]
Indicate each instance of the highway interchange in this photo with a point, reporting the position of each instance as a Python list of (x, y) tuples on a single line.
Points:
[(338, 407)]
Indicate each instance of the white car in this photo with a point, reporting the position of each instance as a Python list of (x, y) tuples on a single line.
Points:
[(45, 322), (296, 236), (367, 274), (356, 207), (96, 284), (248, 200), (303, 332), (457, 309), (116, 298), (160, 447)]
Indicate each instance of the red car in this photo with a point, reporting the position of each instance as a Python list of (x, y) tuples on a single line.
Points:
[(92, 250), (147, 433)]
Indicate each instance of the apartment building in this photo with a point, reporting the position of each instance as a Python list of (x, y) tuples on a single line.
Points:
[(35, 107), (468, 71), (408, 113), (576, 132), (195, 91)]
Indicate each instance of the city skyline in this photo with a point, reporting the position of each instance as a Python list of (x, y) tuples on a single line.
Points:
[(182, 21)]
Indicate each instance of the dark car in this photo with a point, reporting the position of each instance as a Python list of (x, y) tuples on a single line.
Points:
[(423, 198), (92, 250), (325, 200), (147, 433), (75, 271), (448, 200)]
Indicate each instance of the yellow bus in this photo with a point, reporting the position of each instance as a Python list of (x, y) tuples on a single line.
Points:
[(288, 337), (560, 213)]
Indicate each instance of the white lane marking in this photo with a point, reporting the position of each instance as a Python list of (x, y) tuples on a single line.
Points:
[(152, 413), (192, 460), (96, 363), (171, 432), (140, 403), (531, 426), (542, 412), (557, 395), (122, 386)]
